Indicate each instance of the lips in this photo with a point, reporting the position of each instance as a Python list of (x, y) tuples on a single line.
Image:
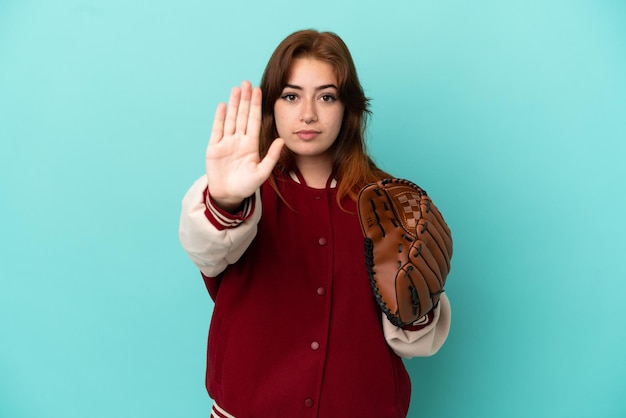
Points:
[(307, 134)]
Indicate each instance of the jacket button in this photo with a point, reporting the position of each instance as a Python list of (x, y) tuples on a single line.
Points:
[(308, 403), (322, 241), (315, 345), (321, 291)]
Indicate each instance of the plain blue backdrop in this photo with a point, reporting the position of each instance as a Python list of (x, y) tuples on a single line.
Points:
[(510, 113)]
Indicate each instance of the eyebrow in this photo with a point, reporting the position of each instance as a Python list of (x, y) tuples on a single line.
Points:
[(323, 87)]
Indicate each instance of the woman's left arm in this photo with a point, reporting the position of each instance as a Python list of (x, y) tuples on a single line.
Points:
[(425, 337)]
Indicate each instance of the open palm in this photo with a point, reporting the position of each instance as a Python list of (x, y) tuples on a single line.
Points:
[(233, 165)]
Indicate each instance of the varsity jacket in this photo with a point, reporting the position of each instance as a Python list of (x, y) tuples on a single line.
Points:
[(296, 331)]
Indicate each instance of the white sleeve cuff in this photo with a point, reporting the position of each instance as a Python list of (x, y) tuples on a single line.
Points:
[(424, 342), (212, 249)]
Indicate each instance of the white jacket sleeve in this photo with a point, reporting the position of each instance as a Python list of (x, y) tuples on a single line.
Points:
[(211, 248), (425, 341)]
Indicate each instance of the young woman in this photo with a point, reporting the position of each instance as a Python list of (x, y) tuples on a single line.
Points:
[(296, 331)]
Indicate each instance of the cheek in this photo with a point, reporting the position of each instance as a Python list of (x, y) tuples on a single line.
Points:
[(337, 118)]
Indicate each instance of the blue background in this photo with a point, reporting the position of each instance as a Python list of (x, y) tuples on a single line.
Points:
[(510, 113)]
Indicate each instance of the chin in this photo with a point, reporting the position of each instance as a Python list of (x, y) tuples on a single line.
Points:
[(309, 149)]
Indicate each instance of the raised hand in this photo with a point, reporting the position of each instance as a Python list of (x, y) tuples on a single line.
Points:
[(233, 166)]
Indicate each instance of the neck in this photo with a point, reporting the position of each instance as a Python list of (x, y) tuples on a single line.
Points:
[(315, 173)]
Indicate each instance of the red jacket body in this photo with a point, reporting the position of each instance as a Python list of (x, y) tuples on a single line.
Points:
[(296, 331)]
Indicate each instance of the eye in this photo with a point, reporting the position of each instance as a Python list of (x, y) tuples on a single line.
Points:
[(289, 97), (328, 98)]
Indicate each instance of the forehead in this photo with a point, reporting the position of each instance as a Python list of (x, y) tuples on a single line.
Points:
[(307, 71)]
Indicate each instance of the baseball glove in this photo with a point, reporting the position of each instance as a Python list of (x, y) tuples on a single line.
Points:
[(408, 247)]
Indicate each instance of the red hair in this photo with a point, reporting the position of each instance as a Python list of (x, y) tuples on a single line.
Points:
[(352, 166)]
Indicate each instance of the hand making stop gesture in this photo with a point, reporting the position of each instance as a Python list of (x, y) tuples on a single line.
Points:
[(233, 165)]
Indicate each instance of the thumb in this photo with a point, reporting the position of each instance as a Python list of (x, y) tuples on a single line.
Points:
[(272, 156)]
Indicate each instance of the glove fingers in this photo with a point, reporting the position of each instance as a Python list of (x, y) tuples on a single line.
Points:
[(413, 295), (428, 233), (427, 267), (432, 214)]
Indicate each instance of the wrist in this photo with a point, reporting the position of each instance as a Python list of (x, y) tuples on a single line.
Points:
[(227, 205)]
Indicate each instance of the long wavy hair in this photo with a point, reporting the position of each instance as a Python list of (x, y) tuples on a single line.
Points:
[(352, 166)]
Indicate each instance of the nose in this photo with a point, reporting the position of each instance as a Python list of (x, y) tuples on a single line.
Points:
[(309, 112)]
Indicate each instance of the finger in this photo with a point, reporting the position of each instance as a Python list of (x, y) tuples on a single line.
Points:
[(217, 132), (231, 111), (271, 158), (244, 107), (254, 119)]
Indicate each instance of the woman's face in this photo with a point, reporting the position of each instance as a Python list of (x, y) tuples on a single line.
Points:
[(308, 114)]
